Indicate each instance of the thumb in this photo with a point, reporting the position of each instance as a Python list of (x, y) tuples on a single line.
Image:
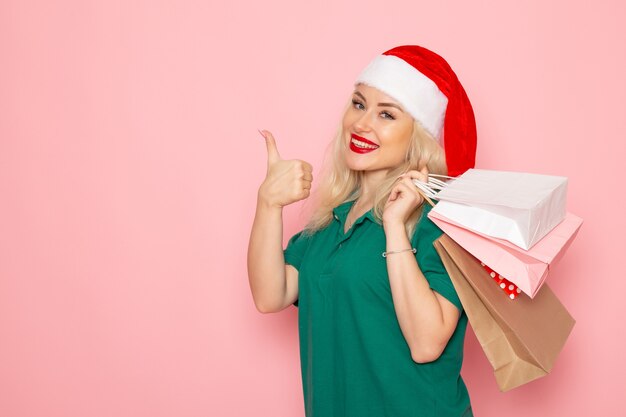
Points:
[(272, 151)]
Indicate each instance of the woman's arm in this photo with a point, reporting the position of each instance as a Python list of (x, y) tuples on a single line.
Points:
[(427, 319), (274, 285)]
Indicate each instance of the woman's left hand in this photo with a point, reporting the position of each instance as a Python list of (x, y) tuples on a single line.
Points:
[(404, 198)]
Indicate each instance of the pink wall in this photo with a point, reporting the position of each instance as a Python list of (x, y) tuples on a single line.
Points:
[(129, 163)]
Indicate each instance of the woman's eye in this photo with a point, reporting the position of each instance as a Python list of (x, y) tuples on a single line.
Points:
[(358, 105), (387, 115)]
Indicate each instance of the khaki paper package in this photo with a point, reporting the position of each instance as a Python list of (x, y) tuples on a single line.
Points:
[(520, 338)]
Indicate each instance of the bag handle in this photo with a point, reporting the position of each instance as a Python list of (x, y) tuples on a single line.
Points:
[(431, 188), (437, 183)]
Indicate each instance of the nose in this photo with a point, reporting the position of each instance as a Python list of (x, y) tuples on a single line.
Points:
[(364, 122)]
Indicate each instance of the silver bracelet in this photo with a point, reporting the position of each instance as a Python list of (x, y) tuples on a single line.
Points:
[(398, 251)]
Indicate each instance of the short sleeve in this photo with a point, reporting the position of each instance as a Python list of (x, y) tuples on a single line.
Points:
[(426, 232), (295, 250)]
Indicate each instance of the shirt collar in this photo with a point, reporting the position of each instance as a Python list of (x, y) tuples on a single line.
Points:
[(341, 212)]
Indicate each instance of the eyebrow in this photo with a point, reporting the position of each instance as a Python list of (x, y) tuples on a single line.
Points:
[(357, 93)]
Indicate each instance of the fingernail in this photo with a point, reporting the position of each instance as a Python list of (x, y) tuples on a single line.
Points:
[(262, 134)]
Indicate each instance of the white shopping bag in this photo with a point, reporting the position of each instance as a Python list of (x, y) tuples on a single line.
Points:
[(514, 206)]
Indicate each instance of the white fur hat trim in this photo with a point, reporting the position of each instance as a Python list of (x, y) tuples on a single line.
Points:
[(415, 92)]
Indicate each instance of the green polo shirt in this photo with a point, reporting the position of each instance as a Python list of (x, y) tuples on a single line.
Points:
[(355, 361)]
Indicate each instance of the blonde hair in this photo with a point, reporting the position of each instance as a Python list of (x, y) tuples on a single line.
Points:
[(340, 184)]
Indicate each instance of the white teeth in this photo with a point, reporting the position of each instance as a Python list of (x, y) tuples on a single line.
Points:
[(363, 145)]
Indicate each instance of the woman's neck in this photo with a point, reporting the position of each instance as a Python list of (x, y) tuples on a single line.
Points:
[(370, 182)]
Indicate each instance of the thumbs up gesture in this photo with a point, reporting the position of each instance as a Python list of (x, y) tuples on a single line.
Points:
[(287, 181)]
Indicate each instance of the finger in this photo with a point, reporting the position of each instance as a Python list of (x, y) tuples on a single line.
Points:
[(307, 177), (406, 186), (417, 175), (303, 167), (408, 183), (272, 151), (412, 189), (305, 194), (394, 193)]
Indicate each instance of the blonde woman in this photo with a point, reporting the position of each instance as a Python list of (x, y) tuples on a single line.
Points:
[(381, 326)]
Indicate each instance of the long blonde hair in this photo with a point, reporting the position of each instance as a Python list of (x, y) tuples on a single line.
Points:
[(340, 184)]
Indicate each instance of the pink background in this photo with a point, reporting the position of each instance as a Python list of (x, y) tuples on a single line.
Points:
[(130, 160)]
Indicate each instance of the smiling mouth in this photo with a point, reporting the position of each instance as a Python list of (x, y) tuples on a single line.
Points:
[(359, 144)]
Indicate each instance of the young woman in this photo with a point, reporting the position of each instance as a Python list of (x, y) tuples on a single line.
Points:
[(381, 326)]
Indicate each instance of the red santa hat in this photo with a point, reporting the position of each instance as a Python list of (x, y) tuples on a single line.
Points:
[(425, 85)]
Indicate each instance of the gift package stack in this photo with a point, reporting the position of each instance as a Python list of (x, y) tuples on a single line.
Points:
[(503, 232)]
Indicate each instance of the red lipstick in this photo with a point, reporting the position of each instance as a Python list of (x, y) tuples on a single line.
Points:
[(359, 147)]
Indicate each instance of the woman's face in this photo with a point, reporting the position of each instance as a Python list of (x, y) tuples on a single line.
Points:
[(377, 131)]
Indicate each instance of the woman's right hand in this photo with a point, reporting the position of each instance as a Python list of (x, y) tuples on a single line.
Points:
[(287, 181)]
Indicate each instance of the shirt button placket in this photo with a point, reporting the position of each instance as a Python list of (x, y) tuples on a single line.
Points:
[(341, 235), (332, 257)]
